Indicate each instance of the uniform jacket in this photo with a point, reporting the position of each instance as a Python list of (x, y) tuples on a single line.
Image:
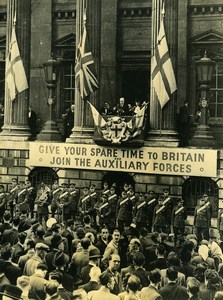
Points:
[(55, 197), (22, 200), (43, 201), (85, 205), (31, 195), (113, 199), (140, 211), (159, 217), (179, 215), (64, 201), (124, 209), (202, 216), (73, 198)]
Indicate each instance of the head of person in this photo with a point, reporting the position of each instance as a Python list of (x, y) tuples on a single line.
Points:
[(51, 287), (107, 280), (212, 279), (86, 190), (104, 198), (41, 250), (14, 182), (114, 262), (6, 251), (85, 243), (105, 185), (201, 201), (104, 233), (80, 232), (116, 236), (56, 275), (160, 200), (72, 108), (155, 276), (134, 244), (90, 236), (165, 192), (173, 259), (126, 187), (41, 269), (23, 282), (11, 292), (186, 103), (122, 101), (133, 283), (193, 286), (79, 294), (95, 273), (218, 295), (160, 250), (92, 188), (87, 219), (7, 216), (172, 273), (138, 259), (200, 270)]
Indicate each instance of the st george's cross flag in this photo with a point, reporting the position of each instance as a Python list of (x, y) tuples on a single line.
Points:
[(163, 77), (85, 74), (15, 76)]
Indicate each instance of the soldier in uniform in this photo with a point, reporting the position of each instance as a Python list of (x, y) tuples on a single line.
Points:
[(30, 196), (103, 209), (73, 201), (140, 212), (105, 190), (94, 199), (2, 202), (55, 194), (124, 211), (22, 201), (169, 202), (131, 195), (178, 218), (84, 204), (112, 199), (160, 222), (42, 202), (13, 196), (202, 219), (151, 203), (64, 204)]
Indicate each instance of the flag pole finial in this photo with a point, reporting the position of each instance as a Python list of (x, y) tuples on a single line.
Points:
[(84, 17), (163, 10)]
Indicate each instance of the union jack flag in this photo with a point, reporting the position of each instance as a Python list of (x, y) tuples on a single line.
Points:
[(85, 74)]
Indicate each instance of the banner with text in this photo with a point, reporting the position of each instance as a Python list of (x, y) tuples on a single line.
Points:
[(170, 161)]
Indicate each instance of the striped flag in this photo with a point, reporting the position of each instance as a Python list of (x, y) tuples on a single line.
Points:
[(99, 121), (163, 77), (85, 73), (15, 76), (135, 125)]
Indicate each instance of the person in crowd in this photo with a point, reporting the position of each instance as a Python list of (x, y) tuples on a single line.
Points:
[(193, 287), (23, 282), (151, 292), (213, 283), (105, 188), (138, 263), (103, 240), (11, 235), (132, 289), (151, 200), (113, 270), (94, 257), (18, 248), (5, 224), (11, 292), (38, 282), (121, 108), (140, 212), (93, 282), (202, 220), (85, 204), (113, 247), (41, 250), (172, 290), (107, 282), (29, 247)]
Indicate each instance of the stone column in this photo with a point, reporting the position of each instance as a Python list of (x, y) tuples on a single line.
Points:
[(83, 122), (16, 112), (162, 122)]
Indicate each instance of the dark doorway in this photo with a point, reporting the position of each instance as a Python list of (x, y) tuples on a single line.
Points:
[(135, 85), (119, 178), (42, 174)]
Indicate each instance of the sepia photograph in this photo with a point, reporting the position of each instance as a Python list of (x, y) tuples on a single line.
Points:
[(111, 166)]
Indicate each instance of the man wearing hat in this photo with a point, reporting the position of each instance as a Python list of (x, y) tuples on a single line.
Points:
[(57, 244), (178, 218), (56, 191), (2, 202), (11, 292), (30, 196), (73, 198), (151, 203), (94, 260), (13, 195), (60, 261), (39, 257)]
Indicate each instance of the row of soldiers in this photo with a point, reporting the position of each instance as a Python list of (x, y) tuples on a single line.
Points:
[(157, 212)]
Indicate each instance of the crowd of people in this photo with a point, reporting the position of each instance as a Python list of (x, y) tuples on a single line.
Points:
[(59, 243)]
